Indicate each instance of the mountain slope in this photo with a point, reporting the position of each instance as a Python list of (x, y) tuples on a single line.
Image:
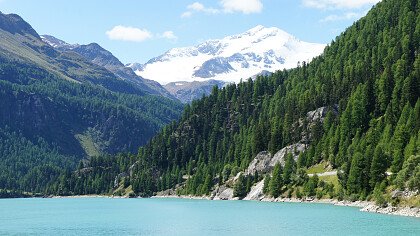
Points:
[(187, 92), (355, 108), (230, 59), (101, 57), (58, 104)]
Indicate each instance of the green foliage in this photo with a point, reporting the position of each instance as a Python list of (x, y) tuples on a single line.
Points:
[(410, 172), (276, 181), (48, 124), (289, 169), (239, 189), (309, 187)]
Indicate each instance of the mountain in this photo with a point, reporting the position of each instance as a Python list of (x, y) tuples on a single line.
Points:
[(57, 108), (231, 58), (351, 115), (187, 92), (101, 57)]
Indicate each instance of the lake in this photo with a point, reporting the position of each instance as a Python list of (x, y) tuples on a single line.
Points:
[(106, 216)]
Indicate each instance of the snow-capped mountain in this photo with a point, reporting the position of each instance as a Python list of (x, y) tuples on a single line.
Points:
[(230, 59)]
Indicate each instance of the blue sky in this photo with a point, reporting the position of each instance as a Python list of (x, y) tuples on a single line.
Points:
[(137, 30)]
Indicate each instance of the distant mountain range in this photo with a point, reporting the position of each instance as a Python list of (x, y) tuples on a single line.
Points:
[(189, 73), (101, 57), (230, 59)]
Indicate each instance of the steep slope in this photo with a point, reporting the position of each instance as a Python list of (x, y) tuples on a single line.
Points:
[(230, 59), (62, 105), (187, 92), (101, 57), (367, 81)]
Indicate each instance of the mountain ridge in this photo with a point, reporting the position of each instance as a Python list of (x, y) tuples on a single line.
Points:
[(102, 57)]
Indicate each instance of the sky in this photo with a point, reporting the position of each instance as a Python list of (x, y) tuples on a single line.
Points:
[(138, 30)]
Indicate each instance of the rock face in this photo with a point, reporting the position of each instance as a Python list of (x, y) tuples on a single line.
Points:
[(264, 162), (256, 192), (118, 178), (260, 163), (279, 157), (321, 113), (223, 193)]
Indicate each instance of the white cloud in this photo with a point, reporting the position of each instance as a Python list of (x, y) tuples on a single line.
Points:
[(346, 16), (244, 6), (196, 7), (169, 35), (341, 4), (127, 33), (227, 6), (186, 14)]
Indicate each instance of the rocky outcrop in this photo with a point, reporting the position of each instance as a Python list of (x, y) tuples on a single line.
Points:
[(321, 113), (118, 179), (295, 149), (256, 192), (222, 193), (264, 162), (260, 164)]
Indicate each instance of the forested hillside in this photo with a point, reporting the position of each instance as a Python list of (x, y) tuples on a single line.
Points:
[(58, 108), (370, 73)]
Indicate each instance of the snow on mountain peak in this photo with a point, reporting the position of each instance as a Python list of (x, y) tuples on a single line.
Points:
[(57, 43), (231, 58)]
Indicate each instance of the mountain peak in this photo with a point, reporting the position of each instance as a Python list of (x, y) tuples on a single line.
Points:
[(14, 24), (232, 58), (256, 29)]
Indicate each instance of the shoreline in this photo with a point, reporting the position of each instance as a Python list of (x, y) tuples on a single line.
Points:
[(364, 206)]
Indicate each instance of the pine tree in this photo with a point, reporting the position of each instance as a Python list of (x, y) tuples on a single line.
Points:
[(239, 189), (289, 169), (355, 179), (276, 182), (378, 166)]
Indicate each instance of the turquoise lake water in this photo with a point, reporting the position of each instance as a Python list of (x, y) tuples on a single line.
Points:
[(103, 216)]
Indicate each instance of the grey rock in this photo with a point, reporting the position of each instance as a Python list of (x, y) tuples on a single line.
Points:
[(260, 164), (118, 179), (295, 149), (256, 192)]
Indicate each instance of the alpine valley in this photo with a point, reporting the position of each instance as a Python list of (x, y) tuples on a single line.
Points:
[(328, 123)]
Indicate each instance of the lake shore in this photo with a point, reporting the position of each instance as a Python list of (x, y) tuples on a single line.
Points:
[(364, 206)]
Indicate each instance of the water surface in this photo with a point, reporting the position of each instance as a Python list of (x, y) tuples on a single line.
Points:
[(104, 216)]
